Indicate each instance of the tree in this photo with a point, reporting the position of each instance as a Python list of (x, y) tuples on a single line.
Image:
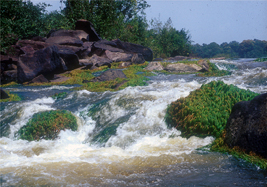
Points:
[(111, 18), (245, 47), (20, 19), (166, 41)]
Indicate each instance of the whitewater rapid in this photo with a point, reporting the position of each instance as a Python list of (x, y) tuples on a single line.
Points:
[(142, 141)]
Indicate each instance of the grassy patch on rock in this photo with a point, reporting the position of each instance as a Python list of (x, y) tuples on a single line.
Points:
[(205, 113), (47, 125), (59, 96), (214, 71), (135, 74), (206, 110), (12, 97)]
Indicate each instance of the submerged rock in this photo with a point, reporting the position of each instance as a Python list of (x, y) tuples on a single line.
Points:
[(247, 126)]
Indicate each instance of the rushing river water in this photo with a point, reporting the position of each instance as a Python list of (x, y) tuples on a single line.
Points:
[(141, 151)]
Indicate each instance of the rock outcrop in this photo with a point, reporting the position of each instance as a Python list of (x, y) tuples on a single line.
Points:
[(65, 50), (154, 66), (108, 75), (44, 61), (183, 68), (178, 67), (247, 126)]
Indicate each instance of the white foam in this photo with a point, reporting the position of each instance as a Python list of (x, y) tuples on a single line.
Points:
[(28, 109)]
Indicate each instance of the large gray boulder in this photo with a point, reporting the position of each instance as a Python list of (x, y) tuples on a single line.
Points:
[(247, 126), (182, 68), (154, 66), (70, 58), (138, 59), (178, 58), (44, 61), (100, 47), (204, 64), (135, 48), (65, 40), (118, 57), (108, 75), (8, 69), (100, 61), (36, 45), (82, 35), (87, 26)]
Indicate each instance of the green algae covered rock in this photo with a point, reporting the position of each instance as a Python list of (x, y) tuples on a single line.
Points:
[(206, 110), (47, 125)]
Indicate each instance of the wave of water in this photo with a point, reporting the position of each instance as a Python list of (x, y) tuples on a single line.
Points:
[(141, 152)]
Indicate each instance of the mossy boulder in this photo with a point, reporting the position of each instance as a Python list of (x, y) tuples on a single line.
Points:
[(47, 125), (206, 110)]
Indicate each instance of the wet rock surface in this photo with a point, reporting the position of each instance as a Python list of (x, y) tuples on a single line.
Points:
[(108, 75), (247, 126)]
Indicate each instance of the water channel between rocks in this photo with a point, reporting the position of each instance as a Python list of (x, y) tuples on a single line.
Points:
[(142, 151)]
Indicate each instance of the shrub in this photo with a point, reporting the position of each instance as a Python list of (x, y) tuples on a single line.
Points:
[(47, 125), (206, 110)]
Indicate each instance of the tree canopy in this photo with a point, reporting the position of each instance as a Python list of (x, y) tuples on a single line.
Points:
[(246, 49)]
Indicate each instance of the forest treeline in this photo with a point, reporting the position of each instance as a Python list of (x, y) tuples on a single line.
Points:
[(246, 49), (112, 19)]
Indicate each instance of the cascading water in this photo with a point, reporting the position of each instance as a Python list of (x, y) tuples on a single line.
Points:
[(122, 139)]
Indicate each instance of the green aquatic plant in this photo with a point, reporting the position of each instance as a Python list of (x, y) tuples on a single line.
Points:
[(206, 110), (214, 71), (47, 125), (12, 97), (262, 59), (135, 74), (59, 96), (9, 84)]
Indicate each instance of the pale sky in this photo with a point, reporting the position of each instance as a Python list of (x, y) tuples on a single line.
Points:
[(209, 20)]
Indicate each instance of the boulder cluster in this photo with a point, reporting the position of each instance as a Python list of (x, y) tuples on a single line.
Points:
[(40, 59)]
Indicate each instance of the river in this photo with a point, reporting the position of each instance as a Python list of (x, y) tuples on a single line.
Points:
[(139, 149)]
